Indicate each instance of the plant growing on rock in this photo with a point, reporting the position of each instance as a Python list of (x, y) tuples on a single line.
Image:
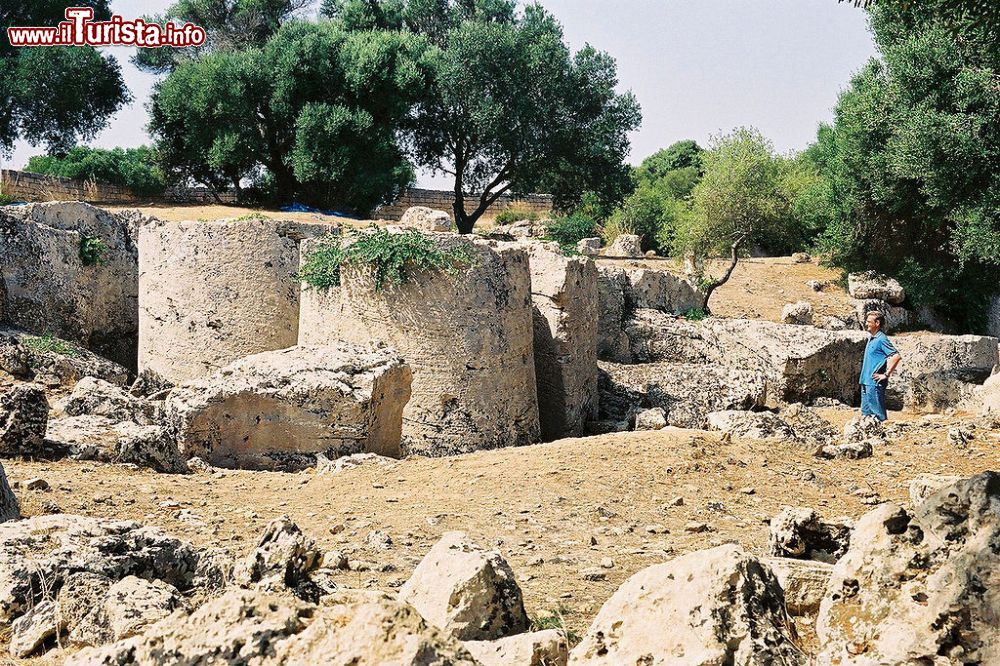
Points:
[(92, 250), (393, 258)]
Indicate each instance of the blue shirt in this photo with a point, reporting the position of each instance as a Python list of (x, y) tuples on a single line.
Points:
[(877, 353)]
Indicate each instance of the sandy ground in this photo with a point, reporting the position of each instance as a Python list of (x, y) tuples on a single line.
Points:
[(555, 510)]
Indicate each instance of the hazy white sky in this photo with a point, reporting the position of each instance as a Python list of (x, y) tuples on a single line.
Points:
[(698, 67)]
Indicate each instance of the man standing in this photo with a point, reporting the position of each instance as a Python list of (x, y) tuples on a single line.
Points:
[(881, 359)]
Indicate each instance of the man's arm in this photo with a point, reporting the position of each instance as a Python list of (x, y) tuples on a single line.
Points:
[(890, 367)]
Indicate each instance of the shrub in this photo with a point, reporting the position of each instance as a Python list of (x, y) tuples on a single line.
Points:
[(6, 199), (394, 258), (696, 314), (515, 214), (134, 168), (568, 231), (49, 343), (92, 250)]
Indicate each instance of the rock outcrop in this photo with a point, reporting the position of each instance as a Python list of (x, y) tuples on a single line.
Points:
[(469, 593), (426, 219), (873, 285), (467, 335), (940, 371), (800, 313), (96, 397), (801, 533), (9, 508), (71, 270), (24, 415), (804, 582), (719, 606), (277, 410), (919, 587)]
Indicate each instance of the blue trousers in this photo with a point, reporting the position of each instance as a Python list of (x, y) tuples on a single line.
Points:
[(873, 401)]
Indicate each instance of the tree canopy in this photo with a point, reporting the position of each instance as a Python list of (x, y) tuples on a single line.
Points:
[(132, 167), (54, 95), (510, 107), (312, 114)]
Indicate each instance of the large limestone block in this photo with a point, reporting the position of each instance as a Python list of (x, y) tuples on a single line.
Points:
[(71, 270), (896, 318), (987, 397), (940, 371), (718, 606), (803, 582), (687, 393), (874, 285), (213, 292), (277, 410), (661, 290), (9, 509), (564, 300), (354, 627), (612, 343), (24, 415), (467, 335), (626, 245), (426, 219), (538, 648), (920, 587), (51, 548), (469, 593)]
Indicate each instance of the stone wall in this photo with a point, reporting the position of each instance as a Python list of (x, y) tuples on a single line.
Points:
[(24, 186), (539, 204), (213, 292)]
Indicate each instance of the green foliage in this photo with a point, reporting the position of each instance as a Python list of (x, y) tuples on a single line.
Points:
[(511, 107), (555, 619), (328, 105), (650, 212), (570, 230), (682, 156), (515, 214), (696, 314), (54, 95), (135, 168), (92, 250), (393, 258), (50, 344), (910, 161), (6, 199)]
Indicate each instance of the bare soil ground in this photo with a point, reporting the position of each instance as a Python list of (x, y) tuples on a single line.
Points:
[(554, 510)]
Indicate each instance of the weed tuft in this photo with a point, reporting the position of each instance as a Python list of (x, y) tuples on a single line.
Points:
[(92, 250), (51, 344)]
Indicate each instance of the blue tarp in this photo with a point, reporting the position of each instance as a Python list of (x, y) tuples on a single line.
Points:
[(296, 207)]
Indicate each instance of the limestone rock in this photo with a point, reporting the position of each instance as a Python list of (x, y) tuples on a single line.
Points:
[(801, 258), (751, 425), (51, 548), (864, 428), (926, 485), (469, 593), (651, 419), (873, 285), (800, 533), (31, 630), (212, 292), (148, 446), (612, 343), (800, 313), (940, 371), (61, 363), (803, 582), (244, 627), (24, 414), (277, 410), (284, 558), (589, 247), (14, 357), (426, 219), (810, 429), (539, 648), (71, 270), (9, 509), (100, 398), (987, 397), (149, 385), (564, 302), (326, 466), (896, 318), (521, 229), (626, 245), (718, 606), (466, 334), (849, 450), (660, 290), (122, 610), (100, 438), (919, 588), (80, 599)]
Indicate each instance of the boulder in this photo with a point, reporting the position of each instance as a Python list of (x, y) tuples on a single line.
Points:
[(938, 372), (149, 385), (873, 285), (626, 245), (81, 598), (277, 410), (987, 397), (212, 292), (124, 610), (920, 587), (24, 414), (651, 419), (801, 258), (564, 303), (71, 270), (660, 290), (14, 357), (467, 334), (926, 485), (9, 508), (538, 648), (810, 429), (896, 318), (800, 533), (96, 397), (58, 363), (800, 313), (30, 632), (469, 593), (687, 393), (803, 582), (284, 558), (521, 229), (426, 219), (125, 442), (245, 627), (612, 343), (718, 606), (864, 428), (51, 548), (589, 247), (751, 425)]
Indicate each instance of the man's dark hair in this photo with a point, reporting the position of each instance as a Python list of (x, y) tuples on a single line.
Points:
[(879, 317)]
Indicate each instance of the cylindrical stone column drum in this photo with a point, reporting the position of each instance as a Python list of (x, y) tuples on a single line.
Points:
[(211, 292), (466, 335)]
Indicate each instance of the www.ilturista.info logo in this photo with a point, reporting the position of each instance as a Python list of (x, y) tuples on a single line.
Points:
[(79, 29)]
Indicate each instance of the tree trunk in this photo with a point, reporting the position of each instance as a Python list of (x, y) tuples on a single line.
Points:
[(734, 258)]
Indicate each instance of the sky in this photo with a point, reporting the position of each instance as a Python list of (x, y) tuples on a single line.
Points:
[(698, 67)]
